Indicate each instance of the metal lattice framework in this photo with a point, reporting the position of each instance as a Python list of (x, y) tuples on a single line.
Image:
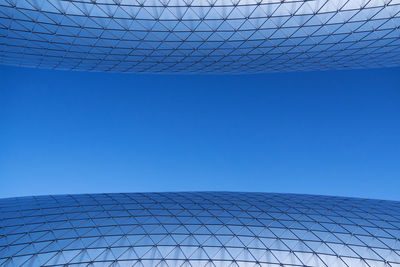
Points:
[(200, 35), (199, 229)]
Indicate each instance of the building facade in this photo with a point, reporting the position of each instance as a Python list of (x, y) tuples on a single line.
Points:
[(199, 229), (239, 36)]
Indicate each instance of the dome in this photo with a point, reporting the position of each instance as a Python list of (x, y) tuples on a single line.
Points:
[(218, 36), (199, 229)]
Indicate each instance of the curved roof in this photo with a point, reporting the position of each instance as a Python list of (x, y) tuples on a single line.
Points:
[(199, 229), (200, 35)]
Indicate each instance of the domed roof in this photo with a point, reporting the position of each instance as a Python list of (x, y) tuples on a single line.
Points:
[(240, 36), (198, 229)]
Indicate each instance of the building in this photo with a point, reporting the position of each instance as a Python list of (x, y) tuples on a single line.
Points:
[(199, 229), (239, 36)]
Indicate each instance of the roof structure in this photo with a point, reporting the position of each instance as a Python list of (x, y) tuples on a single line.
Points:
[(199, 229), (239, 36)]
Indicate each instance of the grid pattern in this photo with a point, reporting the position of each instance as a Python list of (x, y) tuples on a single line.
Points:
[(199, 229), (239, 36)]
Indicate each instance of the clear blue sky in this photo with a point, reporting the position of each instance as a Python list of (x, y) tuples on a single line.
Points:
[(333, 133)]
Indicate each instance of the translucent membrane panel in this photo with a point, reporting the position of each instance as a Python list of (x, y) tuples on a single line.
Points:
[(199, 229), (240, 36)]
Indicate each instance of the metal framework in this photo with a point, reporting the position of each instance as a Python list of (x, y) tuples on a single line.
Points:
[(241, 36), (199, 229)]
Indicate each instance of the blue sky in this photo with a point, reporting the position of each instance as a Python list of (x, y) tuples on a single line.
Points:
[(332, 132)]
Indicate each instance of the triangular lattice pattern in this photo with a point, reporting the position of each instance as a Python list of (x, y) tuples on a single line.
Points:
[(239, 36), (199, 229)]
